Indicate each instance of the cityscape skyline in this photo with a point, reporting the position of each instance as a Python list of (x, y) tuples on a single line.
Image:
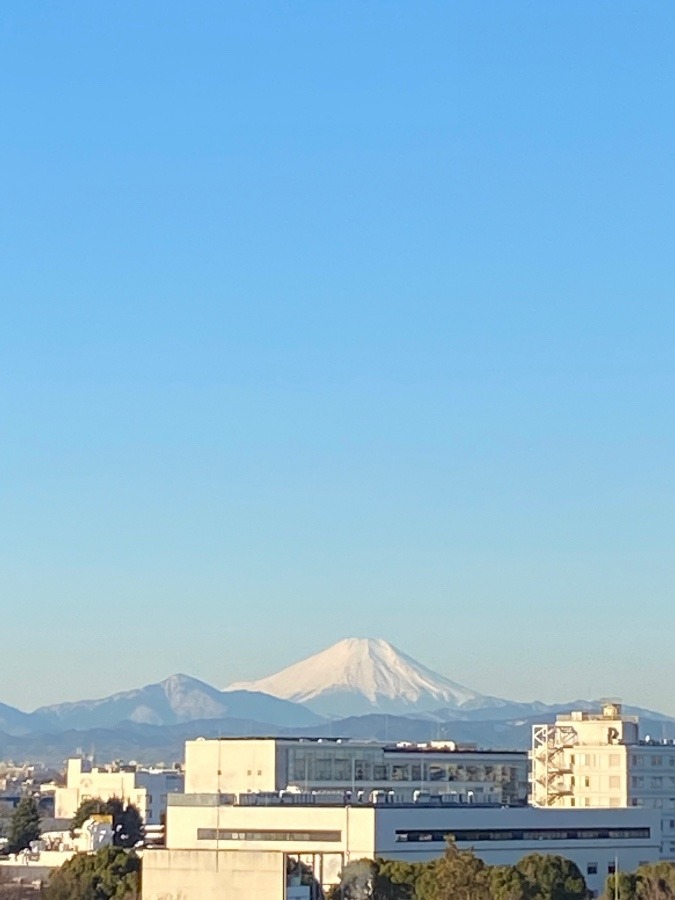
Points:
[(338, 320)]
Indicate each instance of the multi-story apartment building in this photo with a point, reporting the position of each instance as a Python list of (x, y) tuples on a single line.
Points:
[(402, 771), (598, 759), (146, 789)]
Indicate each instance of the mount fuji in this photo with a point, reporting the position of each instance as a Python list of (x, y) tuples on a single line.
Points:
[(357, 676)]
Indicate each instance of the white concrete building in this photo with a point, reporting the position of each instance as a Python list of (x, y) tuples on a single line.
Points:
[(595, 760), (241, 765), (214, 846), (146, 789), (222, 840)]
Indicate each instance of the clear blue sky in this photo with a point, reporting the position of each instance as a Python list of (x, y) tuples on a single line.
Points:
[(325, 319)]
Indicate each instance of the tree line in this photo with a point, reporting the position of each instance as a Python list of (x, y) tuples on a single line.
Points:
[(461, 875)]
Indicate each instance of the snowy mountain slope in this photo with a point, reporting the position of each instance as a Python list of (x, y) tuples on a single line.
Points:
[(362, 675), (178, 698)]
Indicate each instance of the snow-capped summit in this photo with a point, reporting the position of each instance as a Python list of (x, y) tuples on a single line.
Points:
[(362, 675)]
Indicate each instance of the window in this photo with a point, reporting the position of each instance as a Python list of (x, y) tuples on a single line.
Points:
[(342, 769), (363, 769), (611, 868), (323, 768), (592, 868), (538, 834), (221, 834), (615, 781)]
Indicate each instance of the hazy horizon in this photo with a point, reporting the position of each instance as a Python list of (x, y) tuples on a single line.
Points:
[(338, 319)]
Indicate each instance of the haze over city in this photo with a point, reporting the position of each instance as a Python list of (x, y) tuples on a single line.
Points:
[(336, 320)]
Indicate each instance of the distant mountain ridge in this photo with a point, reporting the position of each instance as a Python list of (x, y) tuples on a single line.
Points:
[(362, 675), (365, 689), (177, 699), (150, 744)]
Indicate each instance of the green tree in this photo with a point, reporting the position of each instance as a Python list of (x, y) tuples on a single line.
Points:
[(25, 824), (624, 890), (110, 874), (551, 877), (126, 820), (509, 883), (457, 875), (655, 881)]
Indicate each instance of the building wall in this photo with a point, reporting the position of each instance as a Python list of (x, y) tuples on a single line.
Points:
[(345, 830), (145, 789), (230, 766), (500, 836), (241, 766), (212, 875), (591, 760), (546, 828)]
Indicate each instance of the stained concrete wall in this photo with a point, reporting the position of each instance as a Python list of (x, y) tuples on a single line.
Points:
[(212, 875)]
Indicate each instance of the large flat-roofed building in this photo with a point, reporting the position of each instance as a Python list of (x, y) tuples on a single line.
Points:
[(146, 789), (402, 771), (215, 845), (594, 760), (243, 827)]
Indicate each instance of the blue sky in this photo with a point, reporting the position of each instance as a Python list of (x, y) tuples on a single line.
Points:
[(337, 319)]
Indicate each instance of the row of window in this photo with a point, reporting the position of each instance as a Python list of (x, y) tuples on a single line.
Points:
[(654, 781), (536, 834), (221, 834), (591, 759), (639, 760), (335, 765), (591, 781), (654, 802), (474, 836)]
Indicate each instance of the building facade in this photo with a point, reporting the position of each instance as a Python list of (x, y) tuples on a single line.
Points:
[(215, 845), (243, 827), (401, 771), (146, 789), (595, 760)]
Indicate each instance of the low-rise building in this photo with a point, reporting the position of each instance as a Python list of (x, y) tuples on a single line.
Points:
[(215, 845), (244, 827), (146, 789)]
